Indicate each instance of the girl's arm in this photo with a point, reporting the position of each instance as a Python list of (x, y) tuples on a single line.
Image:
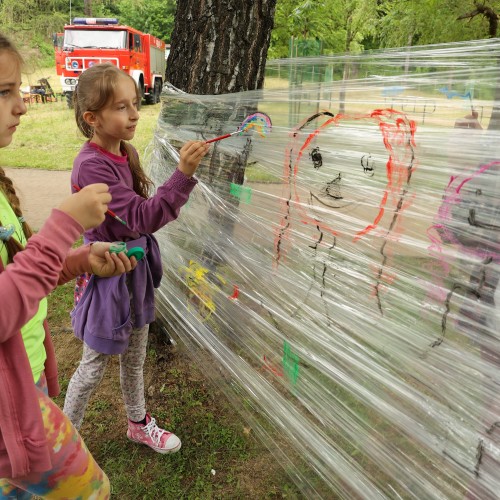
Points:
[(34, 272), (147, 216), (142, 216)]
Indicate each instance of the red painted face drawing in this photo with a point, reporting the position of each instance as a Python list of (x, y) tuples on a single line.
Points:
[(346, 184)]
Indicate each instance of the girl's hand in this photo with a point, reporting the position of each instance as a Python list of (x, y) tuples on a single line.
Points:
[(106, 264), (191, 154), (88, 206)]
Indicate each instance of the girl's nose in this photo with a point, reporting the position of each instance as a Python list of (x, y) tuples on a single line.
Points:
[(20, 107)]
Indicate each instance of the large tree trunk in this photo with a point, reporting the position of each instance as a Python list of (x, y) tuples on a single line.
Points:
[(220, 46), (217, 47)]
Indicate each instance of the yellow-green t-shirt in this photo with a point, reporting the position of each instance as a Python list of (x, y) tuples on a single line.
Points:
[(32, 332)]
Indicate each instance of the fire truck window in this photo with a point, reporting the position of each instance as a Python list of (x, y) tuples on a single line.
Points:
[(137, 43)]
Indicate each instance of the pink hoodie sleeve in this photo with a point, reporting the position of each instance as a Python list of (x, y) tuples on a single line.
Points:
[(35, 271), (76, 263)]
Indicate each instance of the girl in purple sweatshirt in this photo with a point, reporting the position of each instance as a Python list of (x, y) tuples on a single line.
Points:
[(112, 316), (41, 453)]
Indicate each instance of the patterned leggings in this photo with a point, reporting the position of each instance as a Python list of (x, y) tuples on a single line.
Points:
[(74, 474), (91, 370)]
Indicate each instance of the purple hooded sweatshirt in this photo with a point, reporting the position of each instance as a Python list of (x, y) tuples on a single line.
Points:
[(102, 316)]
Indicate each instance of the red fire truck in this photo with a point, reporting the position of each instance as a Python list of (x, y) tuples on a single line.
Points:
[(90, 41)]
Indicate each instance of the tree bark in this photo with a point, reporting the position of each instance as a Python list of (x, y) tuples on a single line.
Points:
[(220, 46), (483, 10), (217, 47)]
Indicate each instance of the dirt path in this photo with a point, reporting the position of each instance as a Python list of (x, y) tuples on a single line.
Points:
[(39, 191)]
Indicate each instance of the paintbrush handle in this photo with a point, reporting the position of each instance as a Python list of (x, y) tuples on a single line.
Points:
[(225, 136)]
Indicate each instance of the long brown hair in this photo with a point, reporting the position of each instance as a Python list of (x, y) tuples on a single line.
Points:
[(12, 245), (96, 86)]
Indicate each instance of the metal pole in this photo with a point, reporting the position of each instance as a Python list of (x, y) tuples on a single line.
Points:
[(69, 11)]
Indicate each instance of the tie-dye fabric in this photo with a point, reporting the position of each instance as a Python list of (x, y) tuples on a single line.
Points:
[(75, 474)]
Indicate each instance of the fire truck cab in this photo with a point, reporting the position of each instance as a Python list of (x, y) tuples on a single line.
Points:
[(90, 41)]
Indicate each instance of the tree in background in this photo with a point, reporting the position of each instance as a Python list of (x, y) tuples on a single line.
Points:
[(482, 9), (405, 22), (220, 47), (355, 25), (39, 16), (32, 23), (341, 25), (150, 16)]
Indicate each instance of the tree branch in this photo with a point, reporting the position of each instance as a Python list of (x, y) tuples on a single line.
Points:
[(488, 13)]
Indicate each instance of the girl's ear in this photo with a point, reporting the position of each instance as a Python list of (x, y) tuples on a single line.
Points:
[(90, 118)]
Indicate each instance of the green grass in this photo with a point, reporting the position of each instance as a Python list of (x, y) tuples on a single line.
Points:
[(49, 139), (258, 173), (219, 458)]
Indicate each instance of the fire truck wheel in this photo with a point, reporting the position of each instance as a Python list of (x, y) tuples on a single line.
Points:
[(154, 96), (157, 92)]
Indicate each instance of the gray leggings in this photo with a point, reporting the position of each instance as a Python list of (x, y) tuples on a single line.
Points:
[(91, 370)]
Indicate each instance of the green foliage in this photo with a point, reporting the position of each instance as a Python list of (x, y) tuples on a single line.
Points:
[(405, 22), (334, 25), (32, 23), (355, 25), (340, 25), (151, 16), (39, 16)]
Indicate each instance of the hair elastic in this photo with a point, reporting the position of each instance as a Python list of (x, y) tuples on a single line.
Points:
[(6, 232)]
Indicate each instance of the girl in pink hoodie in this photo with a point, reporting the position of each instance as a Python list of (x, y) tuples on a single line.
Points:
[(41, 453)]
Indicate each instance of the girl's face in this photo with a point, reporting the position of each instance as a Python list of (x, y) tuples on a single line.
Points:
[(118, 119), (11, 102)]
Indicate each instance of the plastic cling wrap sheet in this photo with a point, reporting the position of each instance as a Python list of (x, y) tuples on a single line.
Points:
[(338, 276)]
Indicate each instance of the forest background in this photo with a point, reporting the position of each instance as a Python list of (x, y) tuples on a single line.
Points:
[(326, 27)]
